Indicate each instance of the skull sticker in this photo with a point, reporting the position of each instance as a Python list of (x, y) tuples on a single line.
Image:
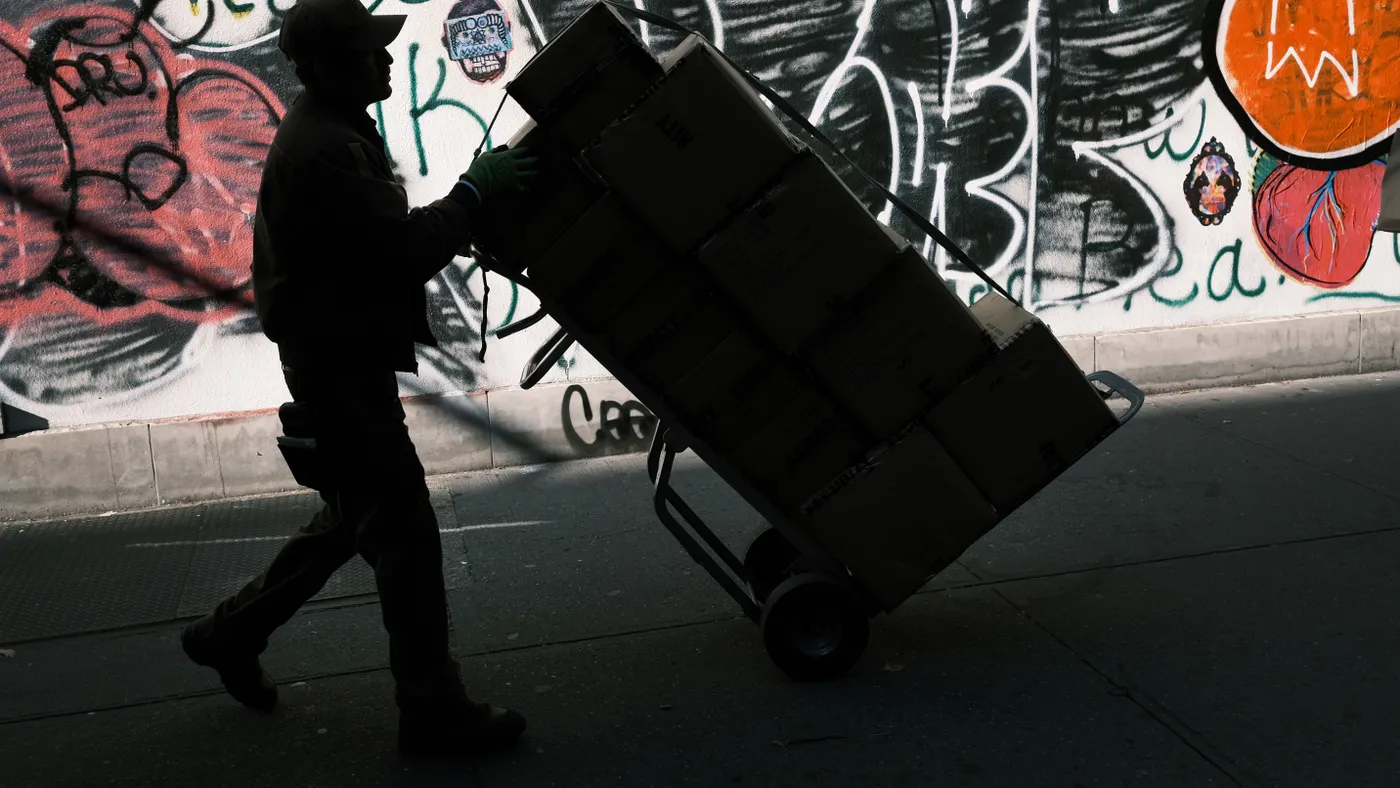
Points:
[(477, 34)]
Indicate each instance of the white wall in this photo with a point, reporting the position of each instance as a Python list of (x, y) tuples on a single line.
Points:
[(942, 116)]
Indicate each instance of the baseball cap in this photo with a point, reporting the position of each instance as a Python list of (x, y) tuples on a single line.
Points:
[(313, 26)]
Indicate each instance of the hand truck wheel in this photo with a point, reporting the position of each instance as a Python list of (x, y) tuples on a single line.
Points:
[(814, 627), (768, 561)]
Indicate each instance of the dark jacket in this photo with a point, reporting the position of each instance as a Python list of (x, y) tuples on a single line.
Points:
[(340, 261)]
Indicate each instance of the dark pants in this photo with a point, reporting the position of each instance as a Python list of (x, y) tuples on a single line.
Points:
[(376, 505)]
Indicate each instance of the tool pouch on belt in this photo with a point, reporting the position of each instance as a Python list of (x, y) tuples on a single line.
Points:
[(298, 445)]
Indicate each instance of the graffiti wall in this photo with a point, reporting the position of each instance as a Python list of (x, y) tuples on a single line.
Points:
[(1121, 163)]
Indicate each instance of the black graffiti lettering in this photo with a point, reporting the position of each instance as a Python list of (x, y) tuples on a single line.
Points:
[(99, 80), (1101, 218), (135, 186), (1098, 120), (623, 426)]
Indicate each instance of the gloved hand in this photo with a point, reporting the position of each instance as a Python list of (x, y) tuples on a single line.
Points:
[(502, 170)]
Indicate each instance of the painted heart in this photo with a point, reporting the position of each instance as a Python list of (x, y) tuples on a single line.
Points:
[(1317, 226)]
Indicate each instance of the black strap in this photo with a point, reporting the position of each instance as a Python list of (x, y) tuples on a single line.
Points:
[(485, 299), (791, 112)]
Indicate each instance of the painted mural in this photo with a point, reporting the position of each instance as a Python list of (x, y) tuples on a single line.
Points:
[(1117, 163)]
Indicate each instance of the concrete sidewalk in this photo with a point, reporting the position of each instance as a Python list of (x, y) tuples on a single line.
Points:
[(1209, 599)]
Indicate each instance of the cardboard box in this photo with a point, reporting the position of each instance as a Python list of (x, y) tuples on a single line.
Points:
[(900, 517), (900, 347), (579, 117), (793, 257), (633, 323), (1026, 416), (695, 149), (682, 342), (557, 74), (735, 390), (517, 228), (607, 259), (799, 448)]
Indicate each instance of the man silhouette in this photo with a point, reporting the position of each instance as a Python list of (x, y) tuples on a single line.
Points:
[(340, 263)]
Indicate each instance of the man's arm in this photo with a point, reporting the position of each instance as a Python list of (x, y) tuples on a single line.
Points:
[(376, 213), (376, 220)]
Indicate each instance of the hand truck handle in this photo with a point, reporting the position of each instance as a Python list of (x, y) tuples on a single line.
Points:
[(545, 358), (1121, 387)]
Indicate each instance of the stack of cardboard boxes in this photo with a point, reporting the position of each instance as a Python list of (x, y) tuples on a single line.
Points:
[(736, 276)]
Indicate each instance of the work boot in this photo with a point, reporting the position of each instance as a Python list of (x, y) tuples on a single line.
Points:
[(242, 676), (477, 729)]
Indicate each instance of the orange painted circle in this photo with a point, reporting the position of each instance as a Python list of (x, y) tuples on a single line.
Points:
[(1319, 78)]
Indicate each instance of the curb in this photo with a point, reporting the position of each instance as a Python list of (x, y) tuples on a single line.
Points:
[(111, 468)]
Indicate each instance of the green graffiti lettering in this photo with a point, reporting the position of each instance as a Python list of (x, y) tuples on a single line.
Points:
[(1016, 286), (1167, 274), (1395, 246), (1169, 149), (434, 102), (239, 8), (1234, 283)]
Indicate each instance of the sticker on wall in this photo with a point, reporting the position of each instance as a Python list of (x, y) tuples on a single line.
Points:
[(1317, 227), (477, 35), (1212, 184)]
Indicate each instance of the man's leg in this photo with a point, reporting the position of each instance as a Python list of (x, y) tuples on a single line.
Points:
[(387, 503), (231, 638)]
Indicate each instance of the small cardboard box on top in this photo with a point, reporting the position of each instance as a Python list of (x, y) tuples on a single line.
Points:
[(903, 344), (900, 517), (1024, 417), (695, 149), (794, 256), (516, 228), (585, 78)]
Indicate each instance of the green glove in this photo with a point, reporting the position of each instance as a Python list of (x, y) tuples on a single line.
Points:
[(502, 170)]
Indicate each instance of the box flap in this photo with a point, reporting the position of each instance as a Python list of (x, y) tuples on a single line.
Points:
[(1000, 318)]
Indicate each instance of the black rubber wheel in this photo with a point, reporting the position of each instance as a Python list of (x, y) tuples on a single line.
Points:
[(767, 562), (814, 627)]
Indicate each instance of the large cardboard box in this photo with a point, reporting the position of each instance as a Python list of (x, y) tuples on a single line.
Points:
[(517, 228), (1026, 416), (632, 324), (682, 342), (900, 517), (799, 448), (735, 390), (695, 149), (794, 256), (900, 347), (605, 260), (580, 65)]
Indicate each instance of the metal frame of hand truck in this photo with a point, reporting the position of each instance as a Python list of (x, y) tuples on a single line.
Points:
[(671, 438)]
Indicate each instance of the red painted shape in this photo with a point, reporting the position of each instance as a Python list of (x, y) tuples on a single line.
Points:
[(1316, 226), (167, 154), (31, 172)]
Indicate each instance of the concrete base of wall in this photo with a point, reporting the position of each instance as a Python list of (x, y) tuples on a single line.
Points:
[(132, 466)]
